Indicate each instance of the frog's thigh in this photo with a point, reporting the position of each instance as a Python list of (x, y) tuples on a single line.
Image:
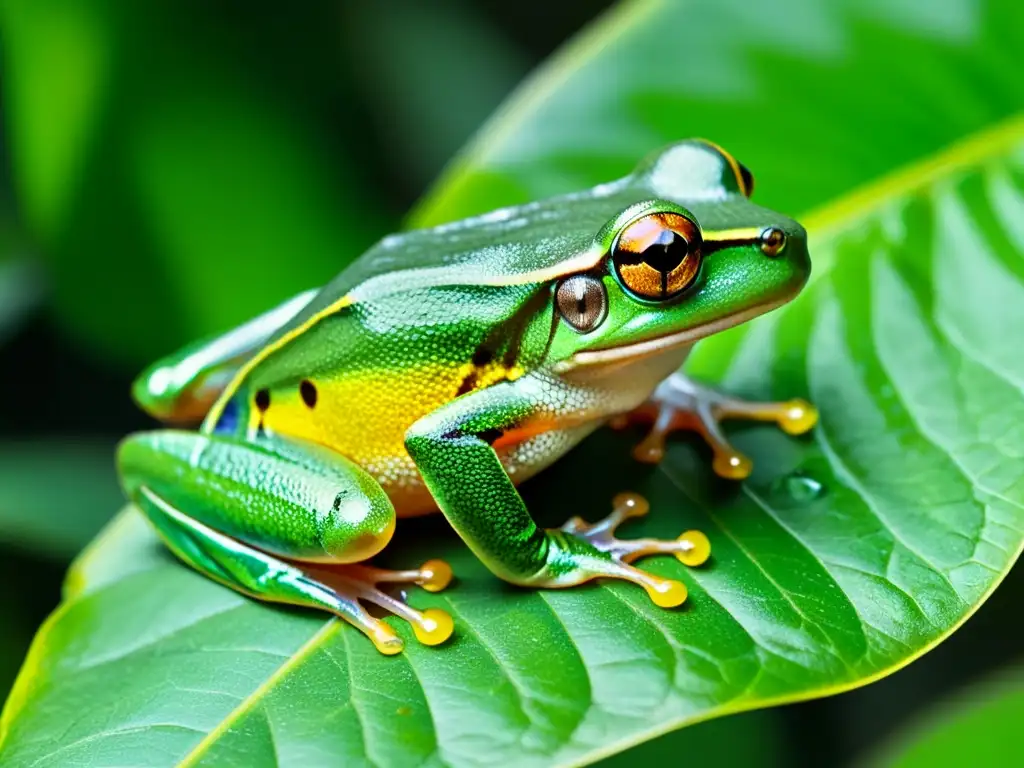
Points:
[(266, 519)]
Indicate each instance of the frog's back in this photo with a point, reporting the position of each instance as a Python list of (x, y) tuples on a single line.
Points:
[(525, 243)]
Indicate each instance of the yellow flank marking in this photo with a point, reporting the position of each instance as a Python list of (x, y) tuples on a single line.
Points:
[(308, 648), (364, 414), (269, 349), (492, 373), (962, 154)]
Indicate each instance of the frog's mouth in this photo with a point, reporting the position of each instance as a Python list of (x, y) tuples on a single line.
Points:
[(640, 350)]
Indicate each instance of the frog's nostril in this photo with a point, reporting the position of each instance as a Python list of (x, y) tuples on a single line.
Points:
[(773, 241)]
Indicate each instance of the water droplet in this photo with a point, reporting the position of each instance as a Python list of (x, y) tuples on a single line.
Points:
[(800, 487)]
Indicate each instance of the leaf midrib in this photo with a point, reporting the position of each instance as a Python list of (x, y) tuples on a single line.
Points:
[(328, 630)]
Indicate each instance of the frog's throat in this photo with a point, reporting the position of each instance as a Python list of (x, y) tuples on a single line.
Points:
[(650, 347)]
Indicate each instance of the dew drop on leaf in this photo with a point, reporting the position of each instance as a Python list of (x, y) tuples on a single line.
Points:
[(800, 487)]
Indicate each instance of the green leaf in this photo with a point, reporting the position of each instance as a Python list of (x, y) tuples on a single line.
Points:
[(980, 725), (55, 495), (847, 554), (14, 641), (816, 98)]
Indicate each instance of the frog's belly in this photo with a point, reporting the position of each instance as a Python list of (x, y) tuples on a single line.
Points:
[(401, 480)]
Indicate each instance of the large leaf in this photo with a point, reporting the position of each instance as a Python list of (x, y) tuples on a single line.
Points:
[(846, 555), (816, 97)]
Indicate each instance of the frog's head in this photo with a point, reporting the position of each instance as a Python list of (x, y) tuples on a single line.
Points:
[(690, 259)]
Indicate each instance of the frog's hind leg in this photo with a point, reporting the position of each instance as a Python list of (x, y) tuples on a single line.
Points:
[(265, 577), (299, 537), (180, 388), (681, 403)]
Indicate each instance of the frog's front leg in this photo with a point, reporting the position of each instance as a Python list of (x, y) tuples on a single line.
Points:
[(454, 450), (283, 522), (681, 403)]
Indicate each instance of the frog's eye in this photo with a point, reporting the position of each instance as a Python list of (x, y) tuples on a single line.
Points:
[(746, 180), (658, 255), (582, 301)]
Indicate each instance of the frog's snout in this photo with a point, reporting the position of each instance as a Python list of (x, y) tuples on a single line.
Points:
[(788, 244)]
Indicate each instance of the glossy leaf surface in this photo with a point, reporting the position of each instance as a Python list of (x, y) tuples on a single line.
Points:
[(844, 557)]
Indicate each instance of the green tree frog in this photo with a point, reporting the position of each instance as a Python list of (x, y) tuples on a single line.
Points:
[(447, 365)]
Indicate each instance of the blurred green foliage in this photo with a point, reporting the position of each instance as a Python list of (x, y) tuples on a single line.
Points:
[(158, 155), (979, 725)]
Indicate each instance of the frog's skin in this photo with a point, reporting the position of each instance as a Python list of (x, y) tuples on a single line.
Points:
[(447, 365)]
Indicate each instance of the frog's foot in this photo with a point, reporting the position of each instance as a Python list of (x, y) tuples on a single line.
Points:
[(679, 403), (690, 548), (360, 584)]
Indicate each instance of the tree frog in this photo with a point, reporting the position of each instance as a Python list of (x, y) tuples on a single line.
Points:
[(447, 365)]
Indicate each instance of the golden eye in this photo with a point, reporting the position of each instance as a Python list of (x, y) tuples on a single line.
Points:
[(658, 255), (582, 301)]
